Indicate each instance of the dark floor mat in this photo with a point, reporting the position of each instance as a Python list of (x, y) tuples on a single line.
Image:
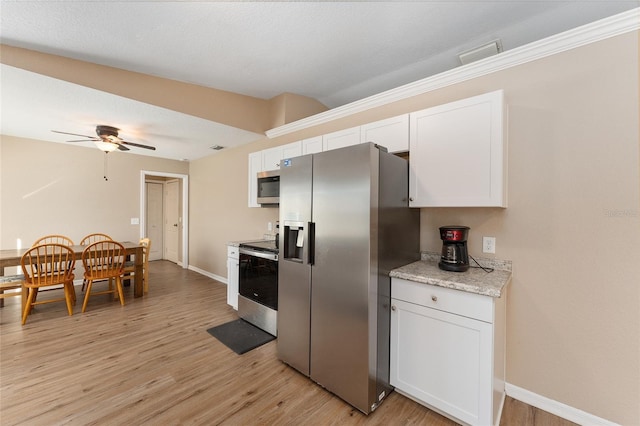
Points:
[(240, 336)]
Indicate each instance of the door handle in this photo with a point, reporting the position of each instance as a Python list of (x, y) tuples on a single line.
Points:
[(312, 242)]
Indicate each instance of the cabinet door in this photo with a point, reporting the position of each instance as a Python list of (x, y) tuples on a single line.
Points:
[(232, 282), (255, 166), (341, 139), (271, 158), (458, 154), (442, 360), (291, 150), (392, 133), (312, 145)]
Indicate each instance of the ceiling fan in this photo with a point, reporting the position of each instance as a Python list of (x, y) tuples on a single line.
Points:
[(107, 139)]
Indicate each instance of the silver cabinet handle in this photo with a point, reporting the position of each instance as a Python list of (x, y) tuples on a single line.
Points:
[(434, 298), (393, 307), (410, 198)]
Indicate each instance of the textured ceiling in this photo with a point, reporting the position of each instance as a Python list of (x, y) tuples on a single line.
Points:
[(335, 52)]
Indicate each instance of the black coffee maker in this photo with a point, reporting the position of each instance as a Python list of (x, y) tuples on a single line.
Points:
[(454, 248)]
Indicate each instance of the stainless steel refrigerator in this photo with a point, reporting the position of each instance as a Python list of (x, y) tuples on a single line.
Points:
[(345, 223)]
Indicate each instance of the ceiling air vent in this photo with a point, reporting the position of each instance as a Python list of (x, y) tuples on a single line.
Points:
[(481, 52)]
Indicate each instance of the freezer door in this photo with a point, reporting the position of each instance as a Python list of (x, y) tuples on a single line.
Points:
[(344, 290), (294, 270)]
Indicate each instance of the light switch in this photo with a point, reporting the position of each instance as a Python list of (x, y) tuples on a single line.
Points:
[(135, 221)]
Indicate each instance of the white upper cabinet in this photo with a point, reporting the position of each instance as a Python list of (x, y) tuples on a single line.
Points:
[(271, 157), (458, 154), (312, 145), (255, 166), (290, 150), (265, 160), (341, 138), (392, 133)]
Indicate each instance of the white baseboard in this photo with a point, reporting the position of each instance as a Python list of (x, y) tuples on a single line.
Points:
[(208, 274), (556, 408)]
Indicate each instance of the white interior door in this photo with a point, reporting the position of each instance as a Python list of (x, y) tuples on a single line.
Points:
[(154, 220), (172, 221)]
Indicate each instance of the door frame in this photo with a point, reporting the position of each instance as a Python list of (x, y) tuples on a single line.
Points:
[(184, 210)]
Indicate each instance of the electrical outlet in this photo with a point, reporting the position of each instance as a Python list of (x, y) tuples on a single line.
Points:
[(488, 244)]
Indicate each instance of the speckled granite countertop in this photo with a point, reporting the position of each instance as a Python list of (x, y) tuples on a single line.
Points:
[(474, 280), (265, 237)]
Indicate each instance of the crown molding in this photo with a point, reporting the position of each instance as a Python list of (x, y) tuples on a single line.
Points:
[(590, 33)]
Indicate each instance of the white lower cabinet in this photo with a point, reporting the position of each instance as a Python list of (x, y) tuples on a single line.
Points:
[(446, 350), (233, 263)]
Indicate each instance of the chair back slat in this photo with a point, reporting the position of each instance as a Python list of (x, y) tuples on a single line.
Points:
[(47, 264), (103, 259), (54, 239), (92, 238), (146, 247)]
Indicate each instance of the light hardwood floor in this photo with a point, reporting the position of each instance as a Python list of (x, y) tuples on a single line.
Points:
[(152, 362)]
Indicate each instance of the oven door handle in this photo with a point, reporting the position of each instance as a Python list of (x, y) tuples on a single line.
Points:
[(261, 254)]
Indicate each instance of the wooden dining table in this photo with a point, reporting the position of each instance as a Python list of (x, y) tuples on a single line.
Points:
[(12, 257)]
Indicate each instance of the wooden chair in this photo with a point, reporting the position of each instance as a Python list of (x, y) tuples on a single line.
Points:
[(103, 260), (48, 265), (54, 239), (90, 239), (130, 267), (10, 282)]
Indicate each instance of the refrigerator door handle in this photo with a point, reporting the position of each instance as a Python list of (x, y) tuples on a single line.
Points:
[(311, 241)]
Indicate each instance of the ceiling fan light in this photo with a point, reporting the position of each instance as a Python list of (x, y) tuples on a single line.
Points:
[(106, 146)]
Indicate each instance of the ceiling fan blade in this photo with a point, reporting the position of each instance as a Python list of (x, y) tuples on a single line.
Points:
[(123, 148), (73, 134), (140, 145), (84, 140)]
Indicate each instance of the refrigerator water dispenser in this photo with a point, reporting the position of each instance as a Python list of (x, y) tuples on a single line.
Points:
[(293, 241)]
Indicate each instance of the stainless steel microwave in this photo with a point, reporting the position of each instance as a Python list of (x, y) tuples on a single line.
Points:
[(269, 187)]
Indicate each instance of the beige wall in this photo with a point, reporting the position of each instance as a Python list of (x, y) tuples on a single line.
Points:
[(218, 209), (572, 228), (54, 188)]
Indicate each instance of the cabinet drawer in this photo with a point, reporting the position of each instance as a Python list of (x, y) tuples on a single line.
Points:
[(233, 252), (458, 302)]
